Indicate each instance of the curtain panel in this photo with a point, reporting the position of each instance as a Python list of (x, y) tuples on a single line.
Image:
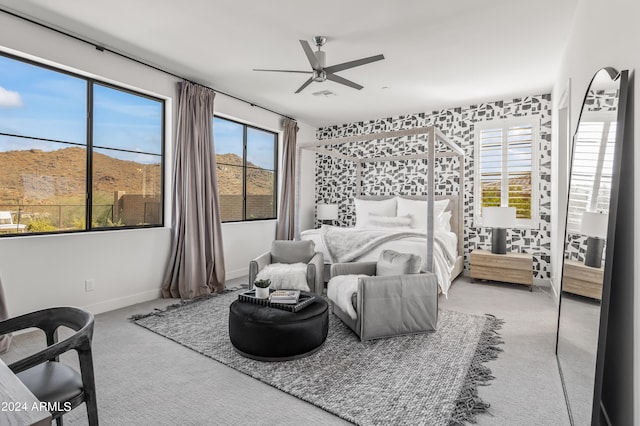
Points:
[(286, 211), (196, 264)]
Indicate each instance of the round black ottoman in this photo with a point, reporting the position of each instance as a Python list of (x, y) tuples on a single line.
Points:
[(269, 334)]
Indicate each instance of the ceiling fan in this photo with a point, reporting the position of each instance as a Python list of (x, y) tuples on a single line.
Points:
[(321, 73)]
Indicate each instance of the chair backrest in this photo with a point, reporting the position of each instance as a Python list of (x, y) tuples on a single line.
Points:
[(283, 251), (5, 218)]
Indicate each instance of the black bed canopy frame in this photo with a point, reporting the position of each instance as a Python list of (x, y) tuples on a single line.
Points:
[(434, 138)]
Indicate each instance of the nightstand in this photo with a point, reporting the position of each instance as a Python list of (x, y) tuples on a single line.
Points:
[(514, 268), (582, 280)]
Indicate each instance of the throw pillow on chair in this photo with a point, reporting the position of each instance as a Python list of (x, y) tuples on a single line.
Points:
[(285, 276)]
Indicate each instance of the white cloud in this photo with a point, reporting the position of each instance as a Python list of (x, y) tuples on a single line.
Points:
[(9, 99)]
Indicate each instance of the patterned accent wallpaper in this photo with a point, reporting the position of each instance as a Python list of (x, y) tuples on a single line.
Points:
[(335, 179)]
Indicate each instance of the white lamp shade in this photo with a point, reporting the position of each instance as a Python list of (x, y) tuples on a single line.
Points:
[(327, 211), (499, 217), (594, 224)]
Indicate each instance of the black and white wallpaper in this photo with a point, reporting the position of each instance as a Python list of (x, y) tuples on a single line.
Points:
[(336, 183)]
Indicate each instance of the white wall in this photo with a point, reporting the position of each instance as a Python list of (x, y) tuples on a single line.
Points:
[(606, 33), (127, 266)]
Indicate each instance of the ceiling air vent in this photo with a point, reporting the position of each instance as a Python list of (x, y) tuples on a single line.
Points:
[(325, 93)]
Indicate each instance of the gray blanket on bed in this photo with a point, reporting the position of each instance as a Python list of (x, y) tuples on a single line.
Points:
[(347, 244)]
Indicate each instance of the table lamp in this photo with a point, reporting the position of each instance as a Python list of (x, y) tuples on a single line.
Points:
[(594, 226), (499, 218), (327, 213)]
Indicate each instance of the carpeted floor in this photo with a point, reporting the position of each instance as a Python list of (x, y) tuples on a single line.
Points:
[(425, 379), (145, 379)]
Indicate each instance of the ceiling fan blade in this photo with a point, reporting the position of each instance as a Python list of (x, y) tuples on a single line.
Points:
[(351, 64), (310, 55), (305, 84), (301, 72), (344, 81)]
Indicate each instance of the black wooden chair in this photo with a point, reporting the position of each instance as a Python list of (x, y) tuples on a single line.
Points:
[(48, 379)]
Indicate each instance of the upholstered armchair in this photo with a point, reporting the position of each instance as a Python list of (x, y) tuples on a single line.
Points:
[(385, 305), (292, 252)]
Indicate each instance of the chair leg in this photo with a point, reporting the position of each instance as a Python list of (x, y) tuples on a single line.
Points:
[(88, 380), (92, 411)]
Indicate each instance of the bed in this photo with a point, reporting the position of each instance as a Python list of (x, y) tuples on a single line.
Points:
[(447, 261), (404, 223)]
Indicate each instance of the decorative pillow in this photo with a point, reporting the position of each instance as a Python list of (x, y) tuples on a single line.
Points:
[(444, 222), (389, 221), (393, 263), (290, 276), (417, 209), (292, 251), (378, 207)]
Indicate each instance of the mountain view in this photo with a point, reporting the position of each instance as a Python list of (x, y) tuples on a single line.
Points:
[(31, 176)]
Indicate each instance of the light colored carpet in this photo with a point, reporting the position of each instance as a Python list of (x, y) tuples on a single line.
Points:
[(145, 379), (423, 379)]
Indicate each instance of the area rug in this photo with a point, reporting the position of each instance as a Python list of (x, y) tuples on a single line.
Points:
[(424, 379)]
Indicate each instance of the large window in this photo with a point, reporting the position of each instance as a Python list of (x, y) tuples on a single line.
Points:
[(246, 160), (76, 154), (592, 167), (506, 168)]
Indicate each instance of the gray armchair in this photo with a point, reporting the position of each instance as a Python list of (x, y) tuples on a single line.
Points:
[(292, 252), (389, 305)]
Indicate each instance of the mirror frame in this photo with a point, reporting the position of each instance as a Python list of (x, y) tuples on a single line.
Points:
[(596, 405)]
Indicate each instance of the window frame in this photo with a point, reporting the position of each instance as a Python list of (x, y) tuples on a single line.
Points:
[(276, 146), (504, 124), (89, 108)]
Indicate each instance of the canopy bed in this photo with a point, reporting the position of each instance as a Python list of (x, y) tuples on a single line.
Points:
[(423, 215)]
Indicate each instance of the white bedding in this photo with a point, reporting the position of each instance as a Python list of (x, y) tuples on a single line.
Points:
[(442, 252)]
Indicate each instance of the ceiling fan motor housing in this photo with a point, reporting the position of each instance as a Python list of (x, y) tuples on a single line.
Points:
[(320, 56)]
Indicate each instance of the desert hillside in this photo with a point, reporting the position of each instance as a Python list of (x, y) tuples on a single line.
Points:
[(30, 176)]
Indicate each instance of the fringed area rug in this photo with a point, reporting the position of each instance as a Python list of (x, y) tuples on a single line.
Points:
[(424, 379)]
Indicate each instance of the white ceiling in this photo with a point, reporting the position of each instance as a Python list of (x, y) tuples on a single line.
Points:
[(437, 53)]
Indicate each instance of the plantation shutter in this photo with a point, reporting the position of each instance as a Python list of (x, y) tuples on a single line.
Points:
[(592, 170), (519, 147), (506, 167)]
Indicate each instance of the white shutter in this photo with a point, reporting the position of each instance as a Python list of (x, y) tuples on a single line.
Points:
[(519, 146)]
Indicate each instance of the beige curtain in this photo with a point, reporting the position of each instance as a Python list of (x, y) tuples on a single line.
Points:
[(196, 265), (286, 211)]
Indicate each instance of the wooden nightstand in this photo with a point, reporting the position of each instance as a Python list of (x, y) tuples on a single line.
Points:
[(511, 267), (583, 280)]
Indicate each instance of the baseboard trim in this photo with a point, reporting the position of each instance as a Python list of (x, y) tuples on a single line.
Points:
[(237, 273), (122, 302), (542, 282)]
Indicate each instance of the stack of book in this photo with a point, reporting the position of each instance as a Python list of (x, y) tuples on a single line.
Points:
[(285, 296)]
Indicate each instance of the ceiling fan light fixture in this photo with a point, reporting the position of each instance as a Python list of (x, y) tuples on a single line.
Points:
[(319, 76)]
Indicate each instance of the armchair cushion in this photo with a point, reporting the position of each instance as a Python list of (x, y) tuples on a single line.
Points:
[(292, 251), (285, 276), (393, 263)]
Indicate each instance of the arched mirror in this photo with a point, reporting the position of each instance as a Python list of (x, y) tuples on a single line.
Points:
[(590, 222)]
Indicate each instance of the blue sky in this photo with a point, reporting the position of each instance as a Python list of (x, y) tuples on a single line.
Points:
[(39, 102)]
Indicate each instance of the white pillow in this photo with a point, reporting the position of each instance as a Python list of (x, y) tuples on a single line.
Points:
[(377, 207), (444, 222), (389, 221), (417, 209)]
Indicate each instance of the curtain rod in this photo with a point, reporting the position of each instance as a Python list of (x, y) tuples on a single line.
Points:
[(122, 55)]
